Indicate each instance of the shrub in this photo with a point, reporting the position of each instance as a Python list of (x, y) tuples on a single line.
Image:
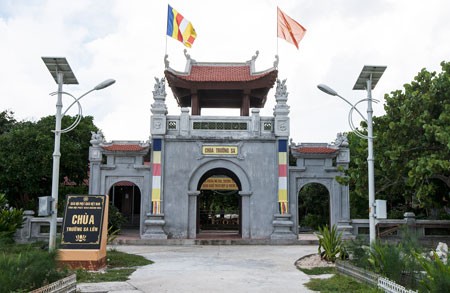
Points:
[(115, 219), (358, 250), (437, 278), (27, 267), (330, 240), (10, 220), (396, 262)]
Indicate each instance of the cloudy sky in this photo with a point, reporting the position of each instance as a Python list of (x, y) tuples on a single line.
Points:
[(125, 40)]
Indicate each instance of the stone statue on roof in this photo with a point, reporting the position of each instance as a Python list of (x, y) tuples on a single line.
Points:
[(97, 137), (281, 89), (160, 87), (341, 140)]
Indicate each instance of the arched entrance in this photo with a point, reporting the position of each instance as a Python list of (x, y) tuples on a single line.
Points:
[(313, 207), (126, 197), (219, 204)]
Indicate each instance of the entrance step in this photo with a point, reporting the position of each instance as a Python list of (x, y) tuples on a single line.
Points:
[(215, 239)]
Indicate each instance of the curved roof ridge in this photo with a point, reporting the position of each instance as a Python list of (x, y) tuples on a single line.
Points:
[(190, 63)]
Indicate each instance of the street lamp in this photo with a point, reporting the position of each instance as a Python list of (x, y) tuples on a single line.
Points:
[(367, 80), (62, 73)]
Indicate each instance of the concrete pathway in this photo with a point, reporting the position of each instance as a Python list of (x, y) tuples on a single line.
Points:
[(213, 268)]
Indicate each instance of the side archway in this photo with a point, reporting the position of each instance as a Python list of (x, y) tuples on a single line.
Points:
[(313, 207)]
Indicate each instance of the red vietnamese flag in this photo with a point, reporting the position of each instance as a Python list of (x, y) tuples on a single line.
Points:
[(289, 29)]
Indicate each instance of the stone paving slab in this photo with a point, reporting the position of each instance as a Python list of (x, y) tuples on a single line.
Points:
[(196, 268), (106, 287)]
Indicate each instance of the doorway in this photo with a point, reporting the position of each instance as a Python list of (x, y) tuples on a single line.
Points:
[(313, 207), (126, 197), (219, 206)]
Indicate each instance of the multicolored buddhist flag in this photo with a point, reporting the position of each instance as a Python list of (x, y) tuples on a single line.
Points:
[(282, 176), (289, 29), (180, 28), (156, 176)]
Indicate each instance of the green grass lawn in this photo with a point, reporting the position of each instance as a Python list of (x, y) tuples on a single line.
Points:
[(120, 266), (339, 283)]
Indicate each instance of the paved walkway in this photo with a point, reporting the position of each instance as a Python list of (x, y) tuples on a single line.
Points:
[(213, 268)]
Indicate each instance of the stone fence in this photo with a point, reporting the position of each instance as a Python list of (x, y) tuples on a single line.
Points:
[(429, 232), (35, 228)]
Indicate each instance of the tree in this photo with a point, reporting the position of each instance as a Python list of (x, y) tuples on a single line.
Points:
[(412, 147), (26, 157), (7, 121)]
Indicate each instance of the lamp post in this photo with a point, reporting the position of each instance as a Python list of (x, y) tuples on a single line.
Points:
[(62, 73), (368, 78)]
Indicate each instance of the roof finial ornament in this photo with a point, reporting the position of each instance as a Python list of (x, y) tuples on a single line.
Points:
[(275, 63), (188, 57), (255, 56), (166, 61)]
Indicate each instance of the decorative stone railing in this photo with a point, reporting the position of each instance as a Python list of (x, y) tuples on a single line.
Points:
[(428, 232), (220, 126), (35, 228)]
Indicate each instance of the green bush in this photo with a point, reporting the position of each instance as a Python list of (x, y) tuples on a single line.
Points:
[(397, 261), (27, 267), (115, 219), (358, 250), (437, 278), (10, 220), (330, 240)]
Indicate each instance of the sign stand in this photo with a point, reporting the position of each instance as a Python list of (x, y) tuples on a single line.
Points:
[(84, 232)]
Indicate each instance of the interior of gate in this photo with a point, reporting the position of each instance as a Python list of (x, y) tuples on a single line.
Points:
[(219, 203)]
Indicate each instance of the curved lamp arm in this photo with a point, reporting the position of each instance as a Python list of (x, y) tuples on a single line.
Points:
[(100, 86)]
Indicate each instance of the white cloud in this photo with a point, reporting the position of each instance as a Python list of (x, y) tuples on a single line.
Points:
[(126, 40)]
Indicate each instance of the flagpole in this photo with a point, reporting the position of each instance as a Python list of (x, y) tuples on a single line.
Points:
[(276, 33), (167, 22)]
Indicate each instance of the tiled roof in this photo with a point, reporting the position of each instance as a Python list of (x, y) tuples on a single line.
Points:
[(124, 148), (316, 150), (221, 73)]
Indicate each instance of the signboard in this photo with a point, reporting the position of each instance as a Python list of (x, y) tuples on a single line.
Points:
[(219, 183), (219, 150), (83, 221)]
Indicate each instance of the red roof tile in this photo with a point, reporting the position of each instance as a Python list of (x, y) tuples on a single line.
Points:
[(124, 148), (316, 150), (221, 73)]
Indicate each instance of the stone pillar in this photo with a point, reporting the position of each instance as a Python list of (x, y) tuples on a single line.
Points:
[(256, 122), (245, 215), (23, 235), (95, 160), (184, 122), (342, 160), (159, 109), (192, 214)]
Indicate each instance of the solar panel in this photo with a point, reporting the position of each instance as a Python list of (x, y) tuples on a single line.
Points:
[(60, 64)]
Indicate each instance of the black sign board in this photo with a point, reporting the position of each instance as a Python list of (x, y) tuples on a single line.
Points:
[(83, 221)]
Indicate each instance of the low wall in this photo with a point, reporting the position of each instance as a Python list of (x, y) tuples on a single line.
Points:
[(429, 232), (35, 228)]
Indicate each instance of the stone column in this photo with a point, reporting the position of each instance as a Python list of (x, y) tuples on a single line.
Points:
[(95, 160), (245, 215), (192, 214)]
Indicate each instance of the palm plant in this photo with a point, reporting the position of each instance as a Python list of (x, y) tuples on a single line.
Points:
[(330, 240)]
